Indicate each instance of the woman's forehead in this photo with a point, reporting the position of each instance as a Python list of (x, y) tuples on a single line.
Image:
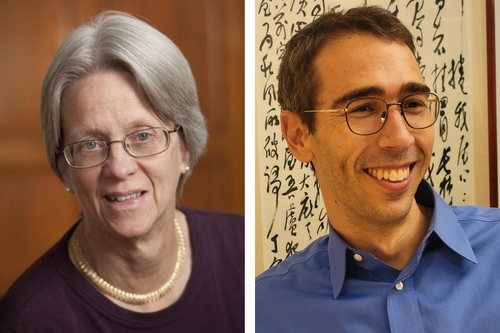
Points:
[(106, 102)]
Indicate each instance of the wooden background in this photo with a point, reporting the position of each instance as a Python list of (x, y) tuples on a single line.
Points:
[(35, 210)]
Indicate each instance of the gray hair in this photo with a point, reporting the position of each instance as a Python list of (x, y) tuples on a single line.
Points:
[(115, 41)]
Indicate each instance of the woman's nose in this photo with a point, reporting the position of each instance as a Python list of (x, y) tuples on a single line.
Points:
[(119, 163)]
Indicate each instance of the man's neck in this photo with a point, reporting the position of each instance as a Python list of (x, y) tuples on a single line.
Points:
[(392, 243)]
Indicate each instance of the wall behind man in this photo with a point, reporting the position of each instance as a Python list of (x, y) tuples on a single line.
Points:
[(478, 112), (35, 210)]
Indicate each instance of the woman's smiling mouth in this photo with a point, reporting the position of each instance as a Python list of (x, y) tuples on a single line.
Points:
[(113, 198)]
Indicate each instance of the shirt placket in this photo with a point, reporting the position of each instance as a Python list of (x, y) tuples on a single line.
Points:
[(402, 307)]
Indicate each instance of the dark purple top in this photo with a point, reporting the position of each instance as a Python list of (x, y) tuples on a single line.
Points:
[(53, 296)]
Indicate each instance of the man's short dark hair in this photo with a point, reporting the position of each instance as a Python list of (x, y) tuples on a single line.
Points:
[(298, 80)]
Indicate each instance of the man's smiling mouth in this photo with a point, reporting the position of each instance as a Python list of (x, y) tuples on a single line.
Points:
[(394, 175)]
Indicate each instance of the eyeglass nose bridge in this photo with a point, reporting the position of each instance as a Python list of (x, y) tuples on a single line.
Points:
[(124, 144), (385, 114)]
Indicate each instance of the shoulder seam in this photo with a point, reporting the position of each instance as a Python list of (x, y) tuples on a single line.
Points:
[(291, 265)]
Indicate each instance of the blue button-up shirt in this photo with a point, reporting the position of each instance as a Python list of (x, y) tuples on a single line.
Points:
[(450, 284)]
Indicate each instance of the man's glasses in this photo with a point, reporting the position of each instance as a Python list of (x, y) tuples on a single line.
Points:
[(143, 143), (367, 116)]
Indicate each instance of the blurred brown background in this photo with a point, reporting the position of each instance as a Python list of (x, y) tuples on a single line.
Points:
[(35, 210)]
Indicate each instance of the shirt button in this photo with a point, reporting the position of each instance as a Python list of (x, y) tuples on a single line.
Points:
[(399, 286), (358, 257)]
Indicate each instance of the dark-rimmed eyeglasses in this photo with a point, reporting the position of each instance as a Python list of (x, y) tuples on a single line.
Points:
[(366, 116), (143, 143)]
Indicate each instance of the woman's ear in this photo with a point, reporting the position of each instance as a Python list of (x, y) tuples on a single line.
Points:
[(185, 161), (297, 136), (62, 168)]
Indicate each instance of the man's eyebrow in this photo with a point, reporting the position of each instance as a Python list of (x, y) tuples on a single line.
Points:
[(357, 93), (407, 88), (414, 87)]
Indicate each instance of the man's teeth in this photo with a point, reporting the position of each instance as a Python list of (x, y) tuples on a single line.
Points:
[(392, 175), (125, 197)]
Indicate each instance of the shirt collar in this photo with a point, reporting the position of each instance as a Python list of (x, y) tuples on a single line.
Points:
[(444, 223)]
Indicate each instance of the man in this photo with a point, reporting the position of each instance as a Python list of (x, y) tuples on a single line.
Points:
[(397, 257)]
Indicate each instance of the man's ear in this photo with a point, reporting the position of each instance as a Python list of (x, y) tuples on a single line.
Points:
[(297, 136)]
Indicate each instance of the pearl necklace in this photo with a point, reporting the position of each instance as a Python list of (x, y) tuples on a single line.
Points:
[(122, 295)]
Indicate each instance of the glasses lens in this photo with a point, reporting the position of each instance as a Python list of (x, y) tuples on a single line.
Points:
[(147, 142), (420, 110), (366, 115), (86, 153)]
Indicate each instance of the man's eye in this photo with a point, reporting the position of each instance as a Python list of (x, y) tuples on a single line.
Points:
[(414, 104), (363, 108)]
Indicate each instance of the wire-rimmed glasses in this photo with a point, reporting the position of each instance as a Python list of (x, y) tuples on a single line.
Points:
[(366, 116), (142, 143)]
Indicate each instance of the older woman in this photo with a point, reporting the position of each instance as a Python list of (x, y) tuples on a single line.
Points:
[(123, 130)]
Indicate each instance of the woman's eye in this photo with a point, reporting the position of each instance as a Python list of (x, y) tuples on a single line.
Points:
[(142, 136), (90, 145)]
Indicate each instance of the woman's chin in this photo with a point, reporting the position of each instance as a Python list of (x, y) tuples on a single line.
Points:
[(125, 227)]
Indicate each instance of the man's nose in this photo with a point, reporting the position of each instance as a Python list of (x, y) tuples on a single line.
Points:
[(396, 133)]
